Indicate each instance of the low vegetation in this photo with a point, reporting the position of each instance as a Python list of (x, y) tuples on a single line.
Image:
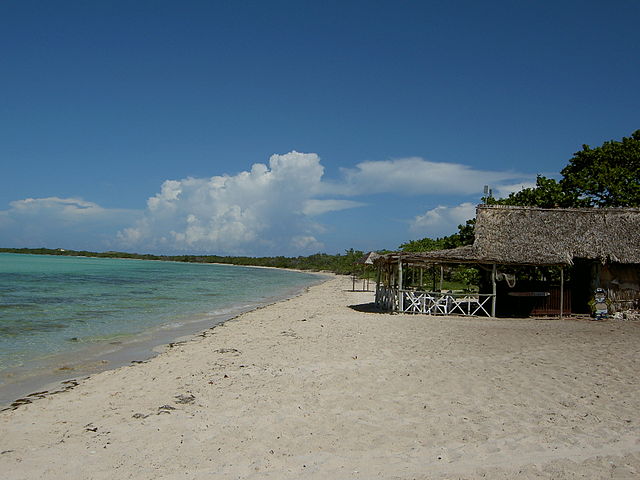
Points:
[(339, 263)]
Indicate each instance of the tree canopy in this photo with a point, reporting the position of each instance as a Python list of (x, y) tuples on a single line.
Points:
[(464, 236), (606, 176), (548, 193)]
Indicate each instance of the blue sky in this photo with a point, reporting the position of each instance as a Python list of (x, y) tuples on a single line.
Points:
[(291, 127)]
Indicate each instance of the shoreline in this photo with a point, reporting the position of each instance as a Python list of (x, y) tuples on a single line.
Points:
[(321, 386), (56, 372), (169, 259)]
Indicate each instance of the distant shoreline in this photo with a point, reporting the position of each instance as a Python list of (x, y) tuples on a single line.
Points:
[(319, 262)]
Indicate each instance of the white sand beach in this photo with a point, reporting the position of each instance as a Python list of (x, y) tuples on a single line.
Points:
[(313, 388)]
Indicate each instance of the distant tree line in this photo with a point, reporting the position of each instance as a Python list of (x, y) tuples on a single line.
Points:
[(455, 277), (339, 263)]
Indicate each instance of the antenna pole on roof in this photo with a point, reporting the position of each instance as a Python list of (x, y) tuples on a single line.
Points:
[(488, 193)]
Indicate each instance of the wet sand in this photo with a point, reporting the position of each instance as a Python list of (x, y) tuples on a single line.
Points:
[(319, 386)]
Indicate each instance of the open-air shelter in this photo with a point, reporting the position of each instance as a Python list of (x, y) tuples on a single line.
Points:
[(600, 245)]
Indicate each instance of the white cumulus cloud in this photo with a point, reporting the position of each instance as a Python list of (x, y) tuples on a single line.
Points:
[(318, 207), (267, 209), (66, 222), (442, 220), (502, 191), (417, 176)]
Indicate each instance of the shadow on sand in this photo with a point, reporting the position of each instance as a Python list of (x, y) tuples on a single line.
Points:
[(366, 308)]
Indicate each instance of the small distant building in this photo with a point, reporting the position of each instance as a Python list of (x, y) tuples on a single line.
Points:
[(587, 247), (365, 262), (368, 258)]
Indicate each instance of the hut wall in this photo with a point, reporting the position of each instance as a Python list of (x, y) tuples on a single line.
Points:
[(551, 305), (622, 283)]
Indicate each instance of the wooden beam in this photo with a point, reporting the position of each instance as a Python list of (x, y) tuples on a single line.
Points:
[(493, 282), (561, 291), (400, 295)]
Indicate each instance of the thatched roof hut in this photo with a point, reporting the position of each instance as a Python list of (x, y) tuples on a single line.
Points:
[(368, 258), (544, 236), (603, 243), (508, 235)]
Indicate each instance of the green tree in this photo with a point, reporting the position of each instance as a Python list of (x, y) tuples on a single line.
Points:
[(464, 236), (423, 245), (606, 176), (548, 193)]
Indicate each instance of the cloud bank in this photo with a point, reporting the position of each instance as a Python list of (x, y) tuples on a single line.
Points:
[(442, 220), (61, 222), (268, 209), (283, 207), (417, 176)]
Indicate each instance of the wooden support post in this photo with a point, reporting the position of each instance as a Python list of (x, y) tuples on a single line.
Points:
[(493, 283), (377, 297), (421, 270), (441, 276), (366, 273), (561, 292), (400, 294)]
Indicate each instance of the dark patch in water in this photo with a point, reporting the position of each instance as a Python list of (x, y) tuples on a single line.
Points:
[(81, 315), (29, 328), (53, 300), (17, 306)]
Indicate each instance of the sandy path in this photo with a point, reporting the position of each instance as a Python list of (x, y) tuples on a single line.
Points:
[(310, 388)]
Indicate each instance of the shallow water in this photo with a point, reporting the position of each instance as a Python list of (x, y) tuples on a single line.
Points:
[(55, 310)]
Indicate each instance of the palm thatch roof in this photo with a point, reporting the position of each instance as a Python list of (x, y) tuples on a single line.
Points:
[(455, 255), (543, 236), (540, 236), (368, 258)]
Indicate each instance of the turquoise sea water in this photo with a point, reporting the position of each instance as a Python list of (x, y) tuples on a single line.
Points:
[(53, 309)]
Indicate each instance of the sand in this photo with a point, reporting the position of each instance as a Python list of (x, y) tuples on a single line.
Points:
[(320, 387)]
